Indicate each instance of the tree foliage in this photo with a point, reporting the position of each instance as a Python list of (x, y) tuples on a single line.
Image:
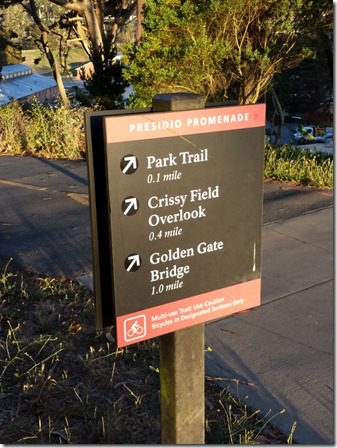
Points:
[(221, 49), (49, 36), (95, 24), (307, 89)]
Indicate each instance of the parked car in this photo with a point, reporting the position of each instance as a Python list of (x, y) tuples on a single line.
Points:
[(307, 134), (304, 135), (328, 138)]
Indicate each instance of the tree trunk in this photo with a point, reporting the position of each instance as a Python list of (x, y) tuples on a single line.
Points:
[(278, 108), (100, 15), (60, 86), (140, 16), (55, 69), (94, 29), (47, 51)]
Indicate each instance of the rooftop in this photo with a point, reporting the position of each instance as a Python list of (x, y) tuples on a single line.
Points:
[(18, 81), (15, 71)]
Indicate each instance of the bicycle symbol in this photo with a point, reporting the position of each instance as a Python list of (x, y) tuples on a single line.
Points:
[(134, 327)]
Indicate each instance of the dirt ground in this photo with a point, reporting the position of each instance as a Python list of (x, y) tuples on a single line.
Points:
[(61, 381)]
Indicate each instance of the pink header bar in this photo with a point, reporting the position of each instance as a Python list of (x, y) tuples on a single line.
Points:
[(124, 128)]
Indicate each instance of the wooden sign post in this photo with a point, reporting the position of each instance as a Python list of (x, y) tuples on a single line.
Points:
[(182, 357)]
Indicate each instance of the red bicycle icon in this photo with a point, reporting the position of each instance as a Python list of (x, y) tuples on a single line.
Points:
[(134, 328)]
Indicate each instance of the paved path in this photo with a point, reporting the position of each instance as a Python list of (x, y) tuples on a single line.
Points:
[(45, 223), (284, 347)]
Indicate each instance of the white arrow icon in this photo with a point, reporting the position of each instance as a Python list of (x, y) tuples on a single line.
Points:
[(131, 203), (134, 261), (131, 162)]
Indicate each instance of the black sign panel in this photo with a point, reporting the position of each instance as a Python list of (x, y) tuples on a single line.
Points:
[(184, 193)]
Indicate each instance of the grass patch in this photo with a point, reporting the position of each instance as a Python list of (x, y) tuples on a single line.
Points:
[(76, 57), (289, 163), (35, 55), (50, 132), (61, 381)]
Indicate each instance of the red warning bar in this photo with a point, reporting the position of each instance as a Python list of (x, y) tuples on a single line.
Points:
[(173, 316)]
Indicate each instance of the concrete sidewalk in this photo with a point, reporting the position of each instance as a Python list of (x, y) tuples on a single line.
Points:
[(44, 220), (282, 353), (284, 347)]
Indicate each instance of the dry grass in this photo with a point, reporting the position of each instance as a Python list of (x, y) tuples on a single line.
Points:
[(293, 164), (63, 382), (43, 131)]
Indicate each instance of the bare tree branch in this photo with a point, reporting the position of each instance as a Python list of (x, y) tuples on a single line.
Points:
[(70, 6)]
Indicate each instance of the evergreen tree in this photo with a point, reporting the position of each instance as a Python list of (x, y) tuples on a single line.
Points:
[(221, 49), (106, 85)]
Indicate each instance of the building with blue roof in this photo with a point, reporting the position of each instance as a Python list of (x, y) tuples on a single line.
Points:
[(19, 83)]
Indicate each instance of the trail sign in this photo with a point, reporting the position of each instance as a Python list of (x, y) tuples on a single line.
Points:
[(176, 205)]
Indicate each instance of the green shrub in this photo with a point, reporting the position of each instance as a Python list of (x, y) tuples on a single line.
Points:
[(13, 125), (55, 132), (289, 163), (35, 129)]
